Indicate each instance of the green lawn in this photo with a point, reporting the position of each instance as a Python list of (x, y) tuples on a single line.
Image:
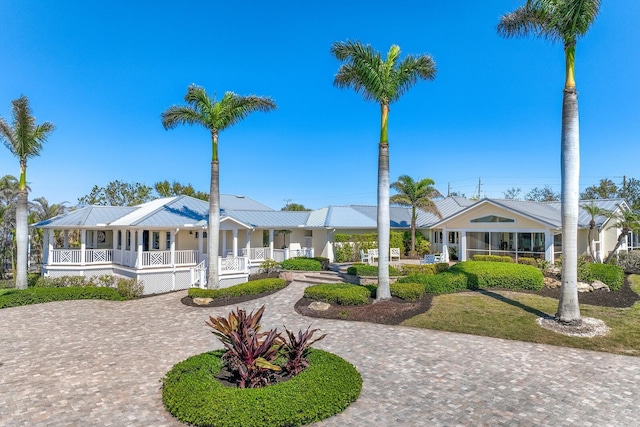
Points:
[(2, 291), (512, 315)]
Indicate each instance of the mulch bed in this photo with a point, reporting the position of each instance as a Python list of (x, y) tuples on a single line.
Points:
[(622, 298)]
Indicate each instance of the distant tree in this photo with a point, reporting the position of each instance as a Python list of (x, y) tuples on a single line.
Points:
[(416, 195), (457, 194), (170, 189), (512, 194), (626, 221), (630, 191), (606, 189), (545, 194), (294, 207), (216, 117), (24, 139), (118, 193), (8, 199), (593, 210), (382, 81)]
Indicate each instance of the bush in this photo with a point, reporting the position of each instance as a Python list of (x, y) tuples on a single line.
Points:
[(610, 275), (442, 283), (324, 262), (493, 258), (442, 267), (253, 287), (367, 270), (484, 274), (126, 287), (527, 261), (630, 262), (269, 266), (407, 291), (413, 269), (301, 264), (16, 297), (129, 288), (339, 293), (192, 394)]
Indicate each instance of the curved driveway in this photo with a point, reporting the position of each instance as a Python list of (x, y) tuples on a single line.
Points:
[(99, 363)]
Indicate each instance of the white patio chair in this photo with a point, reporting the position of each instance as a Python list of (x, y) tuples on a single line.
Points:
[(373, 255), (394, 253), (364, 257), (428, 259)]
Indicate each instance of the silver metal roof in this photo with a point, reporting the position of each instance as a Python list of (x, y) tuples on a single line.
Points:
[(270, 219), (231, 202), (86, 217)]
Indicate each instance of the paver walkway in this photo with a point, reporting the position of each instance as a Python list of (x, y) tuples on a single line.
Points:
[(98, 363)]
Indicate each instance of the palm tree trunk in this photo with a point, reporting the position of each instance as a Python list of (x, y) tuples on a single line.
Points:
[(621, 238), (383, 291), (213, 238), (413, 231), (568, 306), (22, 240)]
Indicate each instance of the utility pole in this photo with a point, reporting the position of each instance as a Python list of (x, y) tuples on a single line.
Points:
[(479, 186), (448, 189)]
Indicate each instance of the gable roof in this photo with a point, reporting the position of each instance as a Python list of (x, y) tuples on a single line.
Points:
[(87, 216)]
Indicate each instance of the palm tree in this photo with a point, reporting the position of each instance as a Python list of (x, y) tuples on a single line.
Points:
[(216, 117), (384, 82), (24, 139), (593, 210), (626, 221), (565, 21), (418, 195)]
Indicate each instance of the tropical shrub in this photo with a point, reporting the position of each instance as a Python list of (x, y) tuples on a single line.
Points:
[(339, 293), (348, 246), (487, 274), (369, 270), (610, 275), (297, 348), (126, 287), (326, 387), (269, 266), (16, 297), (441, 267), (493, 258), (442, 283), (630, 262), (411, 269), (526, 261), (253, 287), (301, 264), (129, 288), (324, 262)]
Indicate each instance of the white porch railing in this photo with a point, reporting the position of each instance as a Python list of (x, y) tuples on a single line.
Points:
[(199, 275), (233, 265), (120, 257), (74, 256), (257, 254)]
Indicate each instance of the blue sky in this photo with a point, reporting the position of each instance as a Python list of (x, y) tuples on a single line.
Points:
[(103, 72)]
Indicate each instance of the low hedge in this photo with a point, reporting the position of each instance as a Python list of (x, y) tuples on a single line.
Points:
[(339, 293), (192, 394), (19, 297), (487, 274), (366, 270), (442, 283), (253, 287), (609, 274), (301, 264), (528, 261), (407, 291), (493, 258)]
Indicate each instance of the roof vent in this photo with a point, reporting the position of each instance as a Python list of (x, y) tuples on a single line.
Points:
[(239, 196)]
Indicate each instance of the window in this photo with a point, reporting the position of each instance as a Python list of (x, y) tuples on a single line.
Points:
[(492, 218), (168, 241), (155, 240), (127, 240), (119, 239)]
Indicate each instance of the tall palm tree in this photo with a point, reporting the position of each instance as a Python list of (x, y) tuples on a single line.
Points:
[(383, 81), (626, 221), (417, 195), (216, 116), (24, 139), (593, 210), (565, 21)]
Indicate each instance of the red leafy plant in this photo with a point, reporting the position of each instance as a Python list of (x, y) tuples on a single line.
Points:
[(251, 354)]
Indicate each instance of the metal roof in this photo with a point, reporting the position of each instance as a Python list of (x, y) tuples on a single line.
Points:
[(270, 219), (180, 211), (85, 217), (231, 202)]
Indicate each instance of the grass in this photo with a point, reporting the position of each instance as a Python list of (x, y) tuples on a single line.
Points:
[(512, 315)]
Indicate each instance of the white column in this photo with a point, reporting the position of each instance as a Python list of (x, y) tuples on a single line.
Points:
[(139, 257), (200, 244), (548, 246), (235, 242), (444, 256), (49, 249), (66, 239), (83, 246), (462, 256), (224, 243), (271, 244), (172, 246), (248, 245)]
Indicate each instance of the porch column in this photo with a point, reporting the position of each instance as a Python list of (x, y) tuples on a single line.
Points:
[(463, 246), (49, 249), (224, 243), (139, 257), (272, 256), (548, 245), (172, 247), (200, 245), (515, 241), (444, 255), (66, 239), (248, 245), (83, 246), (235, 242)]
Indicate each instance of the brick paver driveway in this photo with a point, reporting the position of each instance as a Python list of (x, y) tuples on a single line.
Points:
[(98, 363)]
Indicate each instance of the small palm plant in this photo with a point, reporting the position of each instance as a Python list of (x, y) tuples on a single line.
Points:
[(297, 348)]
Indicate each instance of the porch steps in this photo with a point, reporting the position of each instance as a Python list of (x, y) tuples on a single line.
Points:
[(317, 277)]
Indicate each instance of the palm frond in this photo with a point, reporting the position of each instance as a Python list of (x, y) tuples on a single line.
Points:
[(530, 19), (7, 135), (24, 138), (410, 70), (178, 115), (234, 108), (361, 70)]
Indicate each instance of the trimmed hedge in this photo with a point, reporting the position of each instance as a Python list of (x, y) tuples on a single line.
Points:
[(367, 270), (442, 283), (487, 274), (253, 287), (528, 261), (407, 291), (493, 258), (339, 293), (609, 274), (301, 264), (19, 297), (412, 269), (192, 394)]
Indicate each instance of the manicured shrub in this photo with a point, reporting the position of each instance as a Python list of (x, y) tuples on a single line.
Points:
[(407, 291), (441, 267), (367, 270), (493, 258), (339, 293), (325, 388), (610, 275), (129, 288), (486, 274), (250, 288), (324, 262), (126, 287), (526, 261), (412, 269), (269, 266), (301, 264), (16, 297), (442, 283), (630, 262)]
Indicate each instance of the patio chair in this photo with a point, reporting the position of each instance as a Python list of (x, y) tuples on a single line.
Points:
[(373, 255), (428, 259), (364, 257), (394, 253)]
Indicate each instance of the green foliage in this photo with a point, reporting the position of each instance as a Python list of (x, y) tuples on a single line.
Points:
[(441, 267), (521, 260), (630, 262), (253, 287), (407, 291), (127, 288), (15, 297), (610, 275), (296, 349), (367, 270), (301, 264), (339, 293), (440, 283), (493, 258), (192, 394), (484, 274), (269, 265), (167, 189), (350, 245), (294, 207), (118, 193), (395, 239), (323, 261), (413, 269)]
